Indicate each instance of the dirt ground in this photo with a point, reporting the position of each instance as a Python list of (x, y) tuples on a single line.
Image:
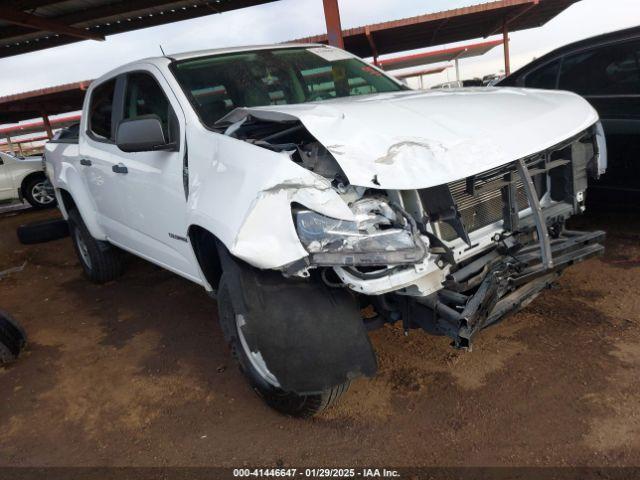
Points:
[(136, 372)]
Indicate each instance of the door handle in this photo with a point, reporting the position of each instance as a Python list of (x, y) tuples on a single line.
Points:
[(85, 162), (120, 168)]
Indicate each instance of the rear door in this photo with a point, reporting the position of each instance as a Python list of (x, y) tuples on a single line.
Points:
[(155, 203), (97, 158)]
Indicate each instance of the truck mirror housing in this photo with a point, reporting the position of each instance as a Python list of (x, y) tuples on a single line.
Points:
[(142, 134)]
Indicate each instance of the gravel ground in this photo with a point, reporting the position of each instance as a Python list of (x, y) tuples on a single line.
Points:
[(136, 372)]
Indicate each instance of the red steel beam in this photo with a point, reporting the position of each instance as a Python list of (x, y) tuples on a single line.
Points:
[(334, 27), (26, 140), (47, 125), (40, 123), (372, 44), (24, 19), (505, 40)]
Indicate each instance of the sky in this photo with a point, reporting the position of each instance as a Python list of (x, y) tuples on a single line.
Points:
[(289, 19)]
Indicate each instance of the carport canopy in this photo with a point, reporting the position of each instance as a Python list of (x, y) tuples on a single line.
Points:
[(30, 25), (437, 56), (46, 101), (40, 103), (422, 73), (450, 26)]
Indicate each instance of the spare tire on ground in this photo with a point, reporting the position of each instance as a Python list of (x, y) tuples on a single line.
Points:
[(44, 231), (12, 338)]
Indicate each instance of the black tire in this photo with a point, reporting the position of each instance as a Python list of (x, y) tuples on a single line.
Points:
[(287, 403), (100, 261), (12, 339), (44, 231), (38, 192)]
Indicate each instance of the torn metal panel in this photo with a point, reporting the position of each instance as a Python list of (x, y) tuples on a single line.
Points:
[(251, 214)]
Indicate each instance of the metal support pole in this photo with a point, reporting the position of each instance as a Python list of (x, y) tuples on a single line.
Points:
[(457, 70), (10, 145), (505, 44), (372, 45), (20, 149), (334, 27), (47, 125)]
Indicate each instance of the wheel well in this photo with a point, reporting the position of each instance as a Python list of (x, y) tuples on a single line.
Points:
[(205, 247), (28, 178), (67, 200)]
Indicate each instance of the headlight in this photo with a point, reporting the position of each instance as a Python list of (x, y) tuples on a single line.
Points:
[(379, 236)]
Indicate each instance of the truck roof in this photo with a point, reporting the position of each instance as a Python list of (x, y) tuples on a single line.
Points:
[(220, 51)]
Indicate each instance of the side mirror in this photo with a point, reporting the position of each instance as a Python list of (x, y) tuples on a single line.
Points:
[(142, 134)]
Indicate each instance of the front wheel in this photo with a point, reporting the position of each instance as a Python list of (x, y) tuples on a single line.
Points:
[(260, 378), (39, 193)]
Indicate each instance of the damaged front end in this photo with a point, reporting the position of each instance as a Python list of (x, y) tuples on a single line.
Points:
[(451, 258)]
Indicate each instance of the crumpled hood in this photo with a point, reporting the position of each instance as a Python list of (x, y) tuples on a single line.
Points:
[(408, 140)]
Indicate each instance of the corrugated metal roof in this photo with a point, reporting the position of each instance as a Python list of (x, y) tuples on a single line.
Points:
[(421, 73), (437, 56), (100, 17), (53, 100), (460, 24)]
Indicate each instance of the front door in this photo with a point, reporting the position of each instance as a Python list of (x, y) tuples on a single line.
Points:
[(154, 201)]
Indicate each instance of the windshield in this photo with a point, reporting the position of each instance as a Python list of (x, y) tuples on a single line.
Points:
[(218, 84)]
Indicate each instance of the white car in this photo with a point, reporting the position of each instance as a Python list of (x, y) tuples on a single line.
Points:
[(24, 178), (299, 184)]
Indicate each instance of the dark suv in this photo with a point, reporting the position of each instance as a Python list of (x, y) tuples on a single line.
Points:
[(606, 71)]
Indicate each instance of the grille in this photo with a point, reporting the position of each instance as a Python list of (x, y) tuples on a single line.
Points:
[(479, 199), (486, 206), (480, 210)]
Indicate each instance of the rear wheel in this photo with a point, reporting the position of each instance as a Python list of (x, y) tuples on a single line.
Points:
[(100, 261), (260, 378), (38, 191)]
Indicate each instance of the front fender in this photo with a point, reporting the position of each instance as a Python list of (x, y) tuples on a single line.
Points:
[(242, 194)]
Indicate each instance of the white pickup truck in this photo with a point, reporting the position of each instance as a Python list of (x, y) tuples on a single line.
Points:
[(302, 186)]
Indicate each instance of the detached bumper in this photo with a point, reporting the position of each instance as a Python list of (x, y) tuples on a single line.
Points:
[(497, 284)]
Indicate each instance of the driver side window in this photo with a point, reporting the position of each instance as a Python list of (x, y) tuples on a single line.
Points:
[(145, 97)]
